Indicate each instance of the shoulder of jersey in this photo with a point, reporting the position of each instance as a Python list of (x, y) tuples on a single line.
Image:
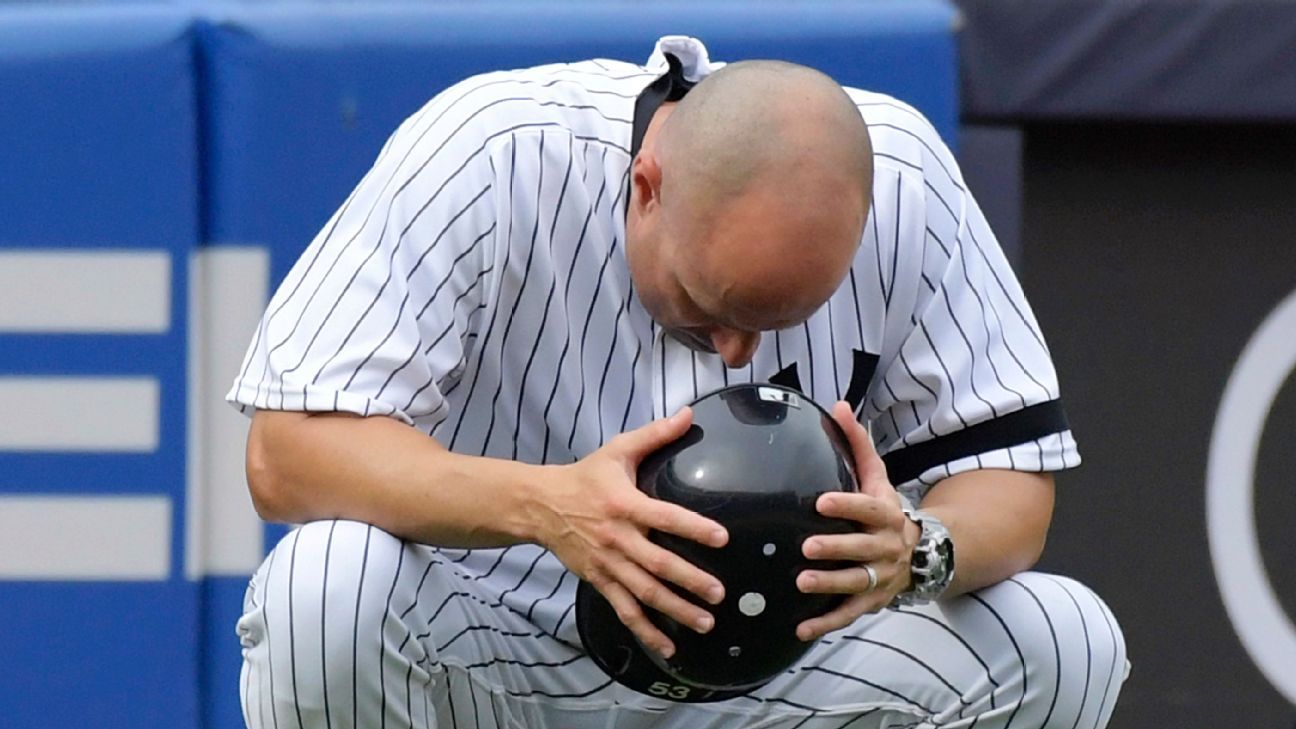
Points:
[(879, 108), (594, 83), (901, 135), (594, 96)]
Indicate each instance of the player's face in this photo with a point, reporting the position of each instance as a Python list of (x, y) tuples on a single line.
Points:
[(715, 278), (654, 264), (687, 322), (697, 300), (654, 253)]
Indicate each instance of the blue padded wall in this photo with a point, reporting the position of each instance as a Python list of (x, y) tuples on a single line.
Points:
[(98, 157)]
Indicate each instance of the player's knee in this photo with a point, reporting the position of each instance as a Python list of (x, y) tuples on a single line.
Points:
[(316, 577), (1071, 648), (314, 609), (1077, 632)]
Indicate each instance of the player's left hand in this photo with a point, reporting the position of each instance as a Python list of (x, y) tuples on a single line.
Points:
[(885, 541)]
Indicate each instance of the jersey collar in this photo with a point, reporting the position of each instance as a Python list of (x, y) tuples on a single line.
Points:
[(683, 61), (670, 86)]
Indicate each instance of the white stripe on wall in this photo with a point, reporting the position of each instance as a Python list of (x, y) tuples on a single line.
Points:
[(115, 414), (85, 537), (84, 291), (229, 287)]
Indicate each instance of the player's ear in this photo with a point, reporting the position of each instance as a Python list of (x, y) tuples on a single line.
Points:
[(646, 177)]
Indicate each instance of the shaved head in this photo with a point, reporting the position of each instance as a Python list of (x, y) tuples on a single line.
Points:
[(760, 121), (750, 200)]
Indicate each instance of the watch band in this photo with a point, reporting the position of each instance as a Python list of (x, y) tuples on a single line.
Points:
[(931, 566)]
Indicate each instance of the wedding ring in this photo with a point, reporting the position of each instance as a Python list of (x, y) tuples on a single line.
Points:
[(872, 577)]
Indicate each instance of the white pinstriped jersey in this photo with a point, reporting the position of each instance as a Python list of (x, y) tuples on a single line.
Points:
[(474, 285)]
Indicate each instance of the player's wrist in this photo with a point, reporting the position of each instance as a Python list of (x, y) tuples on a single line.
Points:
[(911, 533), (931, 561), (497, 499), (533, 515)]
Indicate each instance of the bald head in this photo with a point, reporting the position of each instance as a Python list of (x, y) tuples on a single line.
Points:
[(749, 201), (767, 166), (763, 122)]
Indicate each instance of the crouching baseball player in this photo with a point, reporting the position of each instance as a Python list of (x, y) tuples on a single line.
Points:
[(454, 386)]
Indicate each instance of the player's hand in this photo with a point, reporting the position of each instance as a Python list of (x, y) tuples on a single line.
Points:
[(885, 541), (596, 521)]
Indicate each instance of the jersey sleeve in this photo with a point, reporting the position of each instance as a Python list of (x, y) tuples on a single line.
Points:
[(965, 380), (378, 314)]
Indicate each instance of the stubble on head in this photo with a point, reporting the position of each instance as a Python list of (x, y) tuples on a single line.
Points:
[(764, 177)]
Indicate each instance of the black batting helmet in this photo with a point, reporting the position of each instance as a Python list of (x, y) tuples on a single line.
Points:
[(756, 459)]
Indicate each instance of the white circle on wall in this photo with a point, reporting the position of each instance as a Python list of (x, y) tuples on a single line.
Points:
[(1266, 631)]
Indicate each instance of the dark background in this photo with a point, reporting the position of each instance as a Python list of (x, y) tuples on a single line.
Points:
[(1151, 252), (1139, 158)]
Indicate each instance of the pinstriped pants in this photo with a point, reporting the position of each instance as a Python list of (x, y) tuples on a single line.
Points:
[(348, 626)]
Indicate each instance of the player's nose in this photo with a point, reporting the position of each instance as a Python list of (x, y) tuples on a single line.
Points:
[(735, 347)]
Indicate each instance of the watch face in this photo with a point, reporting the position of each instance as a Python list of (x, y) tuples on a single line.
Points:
[(920, 558), (933, 560), (932, 563)]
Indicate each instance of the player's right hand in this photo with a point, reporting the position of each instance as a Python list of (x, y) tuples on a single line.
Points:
[(595, 520)]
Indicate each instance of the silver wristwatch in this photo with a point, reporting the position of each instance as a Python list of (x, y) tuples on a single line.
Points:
[(931, 567)]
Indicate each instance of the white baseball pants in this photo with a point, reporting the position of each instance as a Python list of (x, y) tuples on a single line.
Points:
[(348, 626)]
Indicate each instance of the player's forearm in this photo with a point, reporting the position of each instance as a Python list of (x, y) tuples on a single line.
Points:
[(998, 521), (303, 467)]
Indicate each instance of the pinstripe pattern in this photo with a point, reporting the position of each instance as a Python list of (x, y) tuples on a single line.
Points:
[(474, 286), (452, 638)]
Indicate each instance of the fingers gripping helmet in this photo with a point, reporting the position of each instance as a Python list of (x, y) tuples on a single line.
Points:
[(756, 459)]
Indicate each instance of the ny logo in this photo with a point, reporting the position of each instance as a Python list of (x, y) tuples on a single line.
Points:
[(863, 365)]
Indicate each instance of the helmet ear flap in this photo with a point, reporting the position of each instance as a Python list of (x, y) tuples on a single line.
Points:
[(756, 459)]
